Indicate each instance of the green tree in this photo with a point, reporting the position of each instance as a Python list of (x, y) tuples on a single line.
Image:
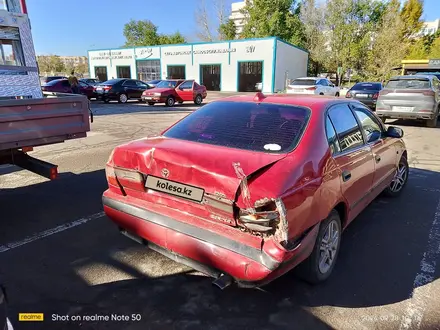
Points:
[(388, 44), (228, 30), (411, 17), (434, 52), (273, 18), (50, 64), (144, 33)]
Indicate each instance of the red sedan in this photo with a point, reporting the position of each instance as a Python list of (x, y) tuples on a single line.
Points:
[(247, 188), (63, 86), (174, 90)]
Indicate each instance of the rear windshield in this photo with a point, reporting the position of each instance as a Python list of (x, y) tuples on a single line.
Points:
[(304, 82), (167, 84), (367, 87), (244, 125), (52, 82), (111, 82), (409, 83)]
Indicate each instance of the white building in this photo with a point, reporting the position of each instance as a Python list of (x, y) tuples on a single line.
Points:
[(237, 17), (430, 27), (236, 65)]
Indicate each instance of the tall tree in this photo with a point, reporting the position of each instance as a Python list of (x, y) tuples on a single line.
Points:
[(434, 52), (50, 64), (388, 44), (228, 30), (411, 17), (212, 21), (273, 18), (144, 33)]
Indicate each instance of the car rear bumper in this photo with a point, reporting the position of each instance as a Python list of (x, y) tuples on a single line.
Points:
[(153, 99), (367, 102), (203, 249), (404, 115)]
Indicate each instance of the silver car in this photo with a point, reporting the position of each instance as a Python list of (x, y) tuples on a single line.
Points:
[(410, 97)]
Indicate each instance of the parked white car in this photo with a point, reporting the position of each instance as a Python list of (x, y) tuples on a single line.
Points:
[(312, 85)]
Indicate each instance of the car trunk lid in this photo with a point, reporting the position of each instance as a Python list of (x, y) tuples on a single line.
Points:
[(201, 179)]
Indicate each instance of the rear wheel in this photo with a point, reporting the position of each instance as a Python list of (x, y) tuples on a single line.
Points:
[(198, 100), (123, 98), (170, 101), (337, 94), (106, 100), (400, 179), (319, 265)]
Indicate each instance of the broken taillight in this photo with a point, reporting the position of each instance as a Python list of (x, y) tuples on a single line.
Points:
[(263, 219), (124, 179)]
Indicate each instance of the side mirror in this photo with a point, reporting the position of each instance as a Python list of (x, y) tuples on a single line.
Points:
[(394, 132)]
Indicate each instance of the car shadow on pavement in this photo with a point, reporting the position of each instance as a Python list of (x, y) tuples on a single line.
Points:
[(407, 122), (93, 270)]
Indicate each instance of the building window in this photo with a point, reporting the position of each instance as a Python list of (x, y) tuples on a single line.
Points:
[(148, 70), (10, 5), (11, 52)]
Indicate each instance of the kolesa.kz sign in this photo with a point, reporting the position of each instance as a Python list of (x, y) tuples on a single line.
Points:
[(174, 188)]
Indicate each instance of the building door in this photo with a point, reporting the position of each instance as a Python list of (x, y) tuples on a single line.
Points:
[(101, 73), (176, 72), (249, 75), (210, 76), (148, 70), (123, 72)]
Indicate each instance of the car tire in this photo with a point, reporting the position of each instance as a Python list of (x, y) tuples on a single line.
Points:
[(311, 270), (170, 101), (321, 93), (150, 103), (123, 98), (198, 100), (400, 179), (106, 100), (337, 94)]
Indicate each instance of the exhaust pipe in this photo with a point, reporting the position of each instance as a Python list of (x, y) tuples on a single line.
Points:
[(223, 281)]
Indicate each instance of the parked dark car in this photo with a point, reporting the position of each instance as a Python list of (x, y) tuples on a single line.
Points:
[(90, 81), (365, 92), (437, 74), (153, 83), (63, 86), (4, 321), (121, 90), (45, 80), (57, 86)]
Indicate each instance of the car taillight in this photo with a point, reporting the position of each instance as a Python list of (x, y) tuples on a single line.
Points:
[(124, 179), (262, 220), (348, 95), (311, 88), (375, 95), (429, 93), (107, 88)]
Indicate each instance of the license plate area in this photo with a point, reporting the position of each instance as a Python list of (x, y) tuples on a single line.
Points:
[(174, 188), (403, 109), (362, 95)]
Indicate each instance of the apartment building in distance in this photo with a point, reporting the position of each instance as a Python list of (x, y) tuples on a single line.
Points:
[(237, 17), (430, 27)]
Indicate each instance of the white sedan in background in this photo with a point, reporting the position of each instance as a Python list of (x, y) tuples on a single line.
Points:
[(313, 86)]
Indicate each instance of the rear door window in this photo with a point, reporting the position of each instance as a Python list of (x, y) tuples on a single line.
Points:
[(186, 85), (244, 125), (331, 136), (346, 126), (421, 83), (65, 83), (129, 83)]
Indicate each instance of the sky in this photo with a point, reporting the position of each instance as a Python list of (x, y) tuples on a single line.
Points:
[(71, 28)]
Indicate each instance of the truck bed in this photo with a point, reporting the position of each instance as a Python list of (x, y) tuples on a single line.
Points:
[(55, 118)]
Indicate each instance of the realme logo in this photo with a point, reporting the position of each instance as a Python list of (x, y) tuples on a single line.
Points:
[(31, 317)]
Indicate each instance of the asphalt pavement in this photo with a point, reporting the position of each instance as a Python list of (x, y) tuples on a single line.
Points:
[(59, 255)]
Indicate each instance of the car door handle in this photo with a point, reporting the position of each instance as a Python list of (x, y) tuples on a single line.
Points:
[(346, 175)]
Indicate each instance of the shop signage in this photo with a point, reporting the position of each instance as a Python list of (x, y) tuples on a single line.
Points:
[(147, 52), (202, 52), (114, 55), (434, 62), (250, 49)]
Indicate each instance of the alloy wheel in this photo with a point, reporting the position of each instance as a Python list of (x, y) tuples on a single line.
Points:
[(399, 178), (329, 247), (123, 98)]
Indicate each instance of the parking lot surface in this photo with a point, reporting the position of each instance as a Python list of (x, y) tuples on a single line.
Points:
[(59, 255)]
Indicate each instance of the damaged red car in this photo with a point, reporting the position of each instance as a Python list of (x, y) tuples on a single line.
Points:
[(246, 188)]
